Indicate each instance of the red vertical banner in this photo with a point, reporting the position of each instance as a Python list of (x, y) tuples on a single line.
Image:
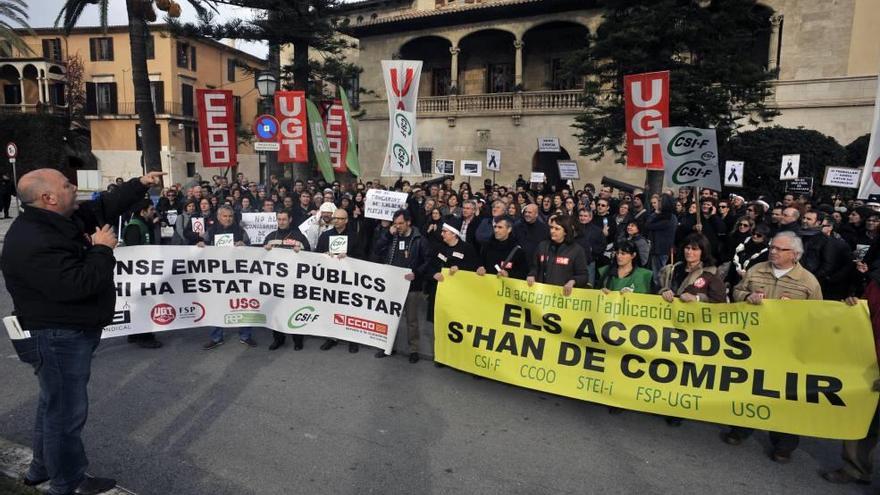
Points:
[(217, 133), (647, 111), (290, 110), (337, 135)]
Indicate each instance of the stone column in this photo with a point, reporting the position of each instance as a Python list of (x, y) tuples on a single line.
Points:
[(453, 70), (772, 61), (518, 64), (21, 85)]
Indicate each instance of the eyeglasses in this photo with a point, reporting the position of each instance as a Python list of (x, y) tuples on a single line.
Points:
[(600, 205), (339, 218), (758, 236), (744, 225), (723, 207), (779, 249)]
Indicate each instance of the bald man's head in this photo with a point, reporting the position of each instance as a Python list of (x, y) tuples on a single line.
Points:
[(48, 189)]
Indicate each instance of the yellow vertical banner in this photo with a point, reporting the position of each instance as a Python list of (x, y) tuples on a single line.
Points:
[(802, 367)]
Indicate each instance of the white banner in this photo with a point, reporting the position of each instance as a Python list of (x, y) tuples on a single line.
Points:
[(690, 157), (402, 89), (381, 204), (162, 288), (258, 226), (871, 176), (842, 177)]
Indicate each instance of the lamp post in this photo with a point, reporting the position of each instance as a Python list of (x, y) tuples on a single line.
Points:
[(267, 83)]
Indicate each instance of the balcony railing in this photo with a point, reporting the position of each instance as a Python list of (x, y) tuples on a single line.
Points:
[(516, 103), (34, 108), (127, 108)]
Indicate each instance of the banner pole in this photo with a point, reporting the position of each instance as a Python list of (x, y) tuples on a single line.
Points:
[(699, 207)]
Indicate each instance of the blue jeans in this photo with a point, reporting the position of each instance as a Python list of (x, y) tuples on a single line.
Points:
[(63, 371), (244, 333)]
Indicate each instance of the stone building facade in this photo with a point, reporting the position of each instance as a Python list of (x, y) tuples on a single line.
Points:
[(491, 76)]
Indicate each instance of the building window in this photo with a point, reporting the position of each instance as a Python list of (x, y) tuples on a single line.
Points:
[(354, 90), (52, 49), (186, 55), (157, 94), (500, 78), (188, 138), (101, 49), (231, 65), (236, 109), (441, 80), (56, 94), (190, 169), (426, 158), (101, 98), (12, 94), (150, 47), (559, 79), (138, 136), (187, 99)]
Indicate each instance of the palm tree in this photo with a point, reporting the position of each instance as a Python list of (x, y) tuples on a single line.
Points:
[(14, 12), (139, 13)]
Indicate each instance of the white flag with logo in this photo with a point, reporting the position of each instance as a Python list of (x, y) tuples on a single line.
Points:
[(871, 176), (690, 157), (402, 89)]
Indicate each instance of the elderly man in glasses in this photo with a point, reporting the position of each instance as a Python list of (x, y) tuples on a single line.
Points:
[(781, 277)]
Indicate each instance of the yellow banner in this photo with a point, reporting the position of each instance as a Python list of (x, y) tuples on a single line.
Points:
[(803, 367)]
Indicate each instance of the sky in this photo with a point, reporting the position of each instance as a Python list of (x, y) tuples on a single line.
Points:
[(42, 13)]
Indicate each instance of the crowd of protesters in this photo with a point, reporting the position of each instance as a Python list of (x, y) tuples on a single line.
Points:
[(694, 246)]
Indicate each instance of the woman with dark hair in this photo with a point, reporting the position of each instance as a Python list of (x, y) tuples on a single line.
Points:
[(660, 230), (183, 231), (206, 212), (559, 260), (853, 231), (742, 230), (693, 278), (749, 253), (624, 274), (632, 232), (545, 210), (756, 211), (433, 225), (453, 206)]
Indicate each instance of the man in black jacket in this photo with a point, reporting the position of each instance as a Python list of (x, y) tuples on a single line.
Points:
[(402, 245), (530, 231), (503, 255), (58, 264), (342, 241), (285, 238), (140, 231)]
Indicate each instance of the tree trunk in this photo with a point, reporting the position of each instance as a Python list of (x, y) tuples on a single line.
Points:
[(653, 182), (143, 101)]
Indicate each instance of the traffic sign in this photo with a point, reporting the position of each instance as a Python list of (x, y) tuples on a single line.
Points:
[(11, 150), (266, 128)]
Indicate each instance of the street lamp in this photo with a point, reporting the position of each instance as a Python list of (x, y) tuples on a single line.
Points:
[(266, 83)]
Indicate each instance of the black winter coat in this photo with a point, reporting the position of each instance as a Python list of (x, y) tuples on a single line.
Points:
[(556, 264), (56, 277), (495, 253)]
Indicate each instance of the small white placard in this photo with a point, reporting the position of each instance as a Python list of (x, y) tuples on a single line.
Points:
[(224, 240), (568, 169), (842, 177), (733, 173), (338, 244), (198, 225), (789, 168), (493, 160), (471, 168), (549, 144), (537, 178)]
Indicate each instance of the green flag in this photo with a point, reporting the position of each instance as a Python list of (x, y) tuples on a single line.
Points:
[(351, 156), (319, 142)]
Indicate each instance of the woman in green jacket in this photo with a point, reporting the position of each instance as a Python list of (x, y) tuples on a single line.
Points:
[(624, 274)]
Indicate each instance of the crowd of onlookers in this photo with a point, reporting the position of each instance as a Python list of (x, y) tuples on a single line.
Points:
[(691, 245)]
